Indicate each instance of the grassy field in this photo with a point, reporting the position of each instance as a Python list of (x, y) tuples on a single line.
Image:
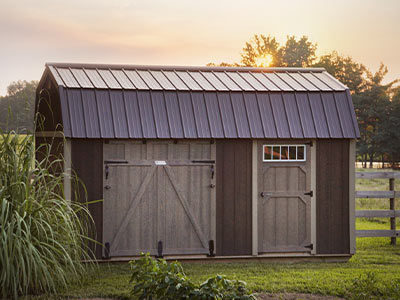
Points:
[(373, 255)]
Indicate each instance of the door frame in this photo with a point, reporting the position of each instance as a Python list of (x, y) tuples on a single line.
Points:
[(257, 159)]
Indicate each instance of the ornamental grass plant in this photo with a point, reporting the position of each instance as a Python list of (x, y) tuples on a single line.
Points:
[(43, 235)]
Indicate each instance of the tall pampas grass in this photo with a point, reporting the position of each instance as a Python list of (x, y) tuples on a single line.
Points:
[(43, 236)]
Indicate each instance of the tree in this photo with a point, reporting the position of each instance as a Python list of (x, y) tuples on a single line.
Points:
[(372, 107), (345, 69), (391, 133), (260, 46), (297, 53), (265, 51), (17, 107)]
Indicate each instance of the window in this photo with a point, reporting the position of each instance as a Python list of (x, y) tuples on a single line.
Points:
[(284, 153)]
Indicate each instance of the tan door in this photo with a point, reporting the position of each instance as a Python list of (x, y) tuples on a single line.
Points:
[(158, 191), (284, 204)]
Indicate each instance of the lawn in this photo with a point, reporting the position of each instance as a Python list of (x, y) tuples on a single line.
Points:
[(373, 255)]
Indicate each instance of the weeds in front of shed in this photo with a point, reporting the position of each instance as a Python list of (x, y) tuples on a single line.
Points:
[(157, 279), (43, 236), (368, 287)]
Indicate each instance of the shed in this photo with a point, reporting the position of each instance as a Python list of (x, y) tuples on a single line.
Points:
[(202, 161)]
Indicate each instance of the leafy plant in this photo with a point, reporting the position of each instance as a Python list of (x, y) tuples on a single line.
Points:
[(368, 288), (43, 236), (157, 279)]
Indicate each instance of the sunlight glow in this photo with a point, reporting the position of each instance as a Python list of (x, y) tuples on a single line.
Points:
[(264, 61)]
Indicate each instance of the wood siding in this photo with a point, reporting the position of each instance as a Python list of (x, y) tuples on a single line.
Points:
[(49, 108), (87, 162), (56, 150), (234, 197), (333, 197)]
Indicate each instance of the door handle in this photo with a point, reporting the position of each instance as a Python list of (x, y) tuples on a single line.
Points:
[(107, 187)]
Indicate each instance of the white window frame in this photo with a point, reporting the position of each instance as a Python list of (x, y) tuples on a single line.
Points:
[(280, 152)]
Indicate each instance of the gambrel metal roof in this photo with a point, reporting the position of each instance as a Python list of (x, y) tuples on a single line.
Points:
[(119, 101)]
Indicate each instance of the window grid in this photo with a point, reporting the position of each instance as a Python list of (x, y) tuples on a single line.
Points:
[(273, 157)]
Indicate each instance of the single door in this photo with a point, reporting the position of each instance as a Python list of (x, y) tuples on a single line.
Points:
[(234, 197), (284, 203), (158, 191)]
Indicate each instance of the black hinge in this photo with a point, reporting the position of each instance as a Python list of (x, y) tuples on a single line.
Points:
[(107, 251), (310, 193), (311, 246), (115, 162), (203, 161), (159, 250), (211, 248)]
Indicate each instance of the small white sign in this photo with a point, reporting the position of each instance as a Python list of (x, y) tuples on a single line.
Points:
[(160, 162)]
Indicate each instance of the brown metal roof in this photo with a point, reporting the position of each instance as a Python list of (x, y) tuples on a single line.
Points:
[(119, 101)]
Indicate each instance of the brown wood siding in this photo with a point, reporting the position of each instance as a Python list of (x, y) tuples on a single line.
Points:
[(48, 108), (332, 193), (56, 151), (87, 162), (234, 197)]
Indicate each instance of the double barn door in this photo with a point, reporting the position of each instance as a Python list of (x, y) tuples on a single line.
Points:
[(158, 191)]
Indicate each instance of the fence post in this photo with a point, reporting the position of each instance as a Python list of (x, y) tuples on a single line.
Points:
[(392, 207)]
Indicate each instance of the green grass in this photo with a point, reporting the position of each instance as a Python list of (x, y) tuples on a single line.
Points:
[(373, 255), (375, 185)]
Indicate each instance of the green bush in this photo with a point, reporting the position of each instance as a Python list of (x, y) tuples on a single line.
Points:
[(42, 235), (157, 279), (368, 287)]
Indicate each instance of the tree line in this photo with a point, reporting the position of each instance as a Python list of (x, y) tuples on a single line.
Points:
[(377, 105)]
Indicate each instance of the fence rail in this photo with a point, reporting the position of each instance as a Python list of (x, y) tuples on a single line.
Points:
[(392, 213)]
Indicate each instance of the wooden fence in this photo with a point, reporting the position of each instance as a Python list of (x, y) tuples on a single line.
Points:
[(391, 194)]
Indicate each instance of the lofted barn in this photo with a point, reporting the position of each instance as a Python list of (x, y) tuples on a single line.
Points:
[(207, 163)]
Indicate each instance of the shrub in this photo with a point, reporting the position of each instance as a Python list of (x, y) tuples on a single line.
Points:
[(367, 287), (42, 235), (157, 279)]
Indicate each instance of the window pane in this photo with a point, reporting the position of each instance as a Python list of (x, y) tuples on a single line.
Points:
[(300, 152), (275, 153), (292, 152), (284, 152), (267, 152)]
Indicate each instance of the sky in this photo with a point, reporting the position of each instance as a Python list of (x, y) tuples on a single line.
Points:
[(185, 32)]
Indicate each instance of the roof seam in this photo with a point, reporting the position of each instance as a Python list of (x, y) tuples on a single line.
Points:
[(338, 115)]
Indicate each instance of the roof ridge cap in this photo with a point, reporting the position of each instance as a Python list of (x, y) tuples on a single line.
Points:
[(183, 68)]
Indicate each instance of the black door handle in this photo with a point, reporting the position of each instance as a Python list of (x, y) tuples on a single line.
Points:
[(310, 193)]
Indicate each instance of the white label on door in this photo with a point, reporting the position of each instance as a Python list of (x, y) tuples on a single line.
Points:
[(160, 162)]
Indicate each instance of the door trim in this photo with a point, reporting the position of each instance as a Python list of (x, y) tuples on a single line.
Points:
[(255, 198)]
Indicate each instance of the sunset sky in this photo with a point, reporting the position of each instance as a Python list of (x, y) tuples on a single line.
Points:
[(178, 32)]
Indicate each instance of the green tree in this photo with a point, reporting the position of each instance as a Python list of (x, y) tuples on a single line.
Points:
[(391, 133), (345, 69), (17, 107), (297, 53), (372, 107)]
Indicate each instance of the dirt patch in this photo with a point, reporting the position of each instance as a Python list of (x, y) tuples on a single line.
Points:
[(294, 296)]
